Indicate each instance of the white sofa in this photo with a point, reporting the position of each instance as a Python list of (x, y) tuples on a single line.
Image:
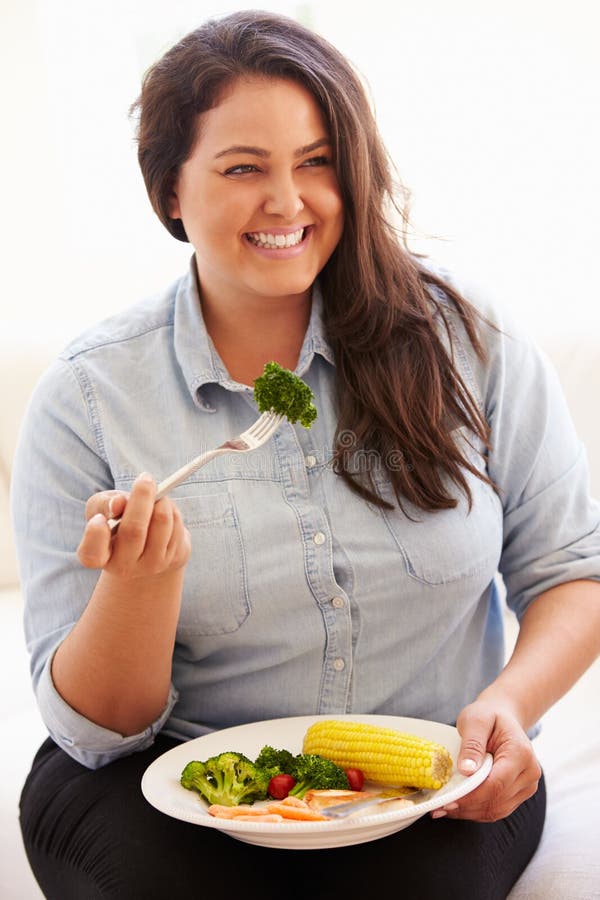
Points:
[(566, 866)]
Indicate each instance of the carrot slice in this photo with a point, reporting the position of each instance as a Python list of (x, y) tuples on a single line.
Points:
[(235, 812), (291, 808), (266, 817), (295, 812), (223, 812)]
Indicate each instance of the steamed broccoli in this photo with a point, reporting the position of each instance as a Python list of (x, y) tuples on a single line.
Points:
[(313, 772), (280, 390), (309, 770), (228, 779), (276, 761)]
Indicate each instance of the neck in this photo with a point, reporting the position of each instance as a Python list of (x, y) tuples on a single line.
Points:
[(249, 336)]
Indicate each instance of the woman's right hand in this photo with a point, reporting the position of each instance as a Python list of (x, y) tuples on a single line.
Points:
[(114, 666), (151, 539)]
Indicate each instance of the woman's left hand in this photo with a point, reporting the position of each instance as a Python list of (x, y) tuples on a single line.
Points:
[(515, 773)]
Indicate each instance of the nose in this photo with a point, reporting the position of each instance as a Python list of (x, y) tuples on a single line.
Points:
[(283, 198)]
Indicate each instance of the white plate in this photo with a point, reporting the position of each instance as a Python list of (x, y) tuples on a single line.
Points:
[(162, 788)]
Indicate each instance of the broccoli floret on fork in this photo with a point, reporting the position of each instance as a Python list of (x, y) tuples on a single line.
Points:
[(286, 394)]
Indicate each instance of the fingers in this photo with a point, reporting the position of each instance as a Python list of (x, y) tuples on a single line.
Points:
[(505, 788), (475, 725), (94, 549), (130, 541), (167, 544), (106, 503), (180, 546), (151, 538), (515, 772)]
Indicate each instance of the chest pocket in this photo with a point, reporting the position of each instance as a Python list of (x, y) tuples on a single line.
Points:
[(448, 545), (215, 593)]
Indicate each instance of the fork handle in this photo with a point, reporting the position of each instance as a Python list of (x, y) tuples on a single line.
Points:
[(342, 810), (184, 472), (175, 479)]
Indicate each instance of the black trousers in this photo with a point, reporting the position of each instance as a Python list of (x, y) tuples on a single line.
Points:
[(91, 835)]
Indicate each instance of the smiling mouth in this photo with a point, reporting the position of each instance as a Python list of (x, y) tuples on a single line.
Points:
[(269, 241)]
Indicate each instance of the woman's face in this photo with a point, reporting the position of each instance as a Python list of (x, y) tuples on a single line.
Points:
[(258, 196)]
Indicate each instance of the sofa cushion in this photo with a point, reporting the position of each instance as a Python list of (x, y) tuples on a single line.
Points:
[(566, 865)]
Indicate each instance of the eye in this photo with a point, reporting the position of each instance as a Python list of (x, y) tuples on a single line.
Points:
[(242, 169), (317, 161)]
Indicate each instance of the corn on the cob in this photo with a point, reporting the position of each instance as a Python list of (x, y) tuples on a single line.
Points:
[(384, 755)]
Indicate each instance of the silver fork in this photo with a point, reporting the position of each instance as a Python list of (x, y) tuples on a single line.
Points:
[(254, 437), (343, 810)]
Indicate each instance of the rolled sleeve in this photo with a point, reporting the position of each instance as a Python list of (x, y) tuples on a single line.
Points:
[(562, 525), (90, 744), (58, 464), (551, 529)]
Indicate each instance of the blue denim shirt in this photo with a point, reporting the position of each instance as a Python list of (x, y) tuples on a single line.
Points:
[(300, 597)]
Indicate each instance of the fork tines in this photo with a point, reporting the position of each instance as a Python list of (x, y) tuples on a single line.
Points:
[(267, 422)]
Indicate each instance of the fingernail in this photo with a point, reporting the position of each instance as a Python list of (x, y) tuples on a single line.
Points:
[(438, 813), (144, 476), (450, 807), (468, 766), (110, 508), (97, 519)]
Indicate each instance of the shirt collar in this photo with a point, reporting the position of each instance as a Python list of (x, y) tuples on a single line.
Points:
[(314, 339), (197, 356)]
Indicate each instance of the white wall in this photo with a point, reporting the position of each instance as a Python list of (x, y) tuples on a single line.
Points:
[(490, 111)]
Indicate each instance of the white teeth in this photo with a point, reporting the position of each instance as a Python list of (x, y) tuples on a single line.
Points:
[(272, 241)]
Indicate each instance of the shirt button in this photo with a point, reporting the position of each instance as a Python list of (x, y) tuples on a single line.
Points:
[(319, 538), (310, 461), (337, 602), (339, 664)]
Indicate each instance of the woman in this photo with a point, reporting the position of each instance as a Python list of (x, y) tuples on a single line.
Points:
[(350, 568)]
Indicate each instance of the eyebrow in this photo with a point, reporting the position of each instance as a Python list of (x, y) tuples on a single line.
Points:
[(263, 154)]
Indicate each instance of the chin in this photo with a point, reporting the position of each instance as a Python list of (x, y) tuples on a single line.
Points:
[(279, 287)]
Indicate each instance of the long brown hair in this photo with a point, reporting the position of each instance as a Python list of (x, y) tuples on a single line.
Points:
[(399, 394)]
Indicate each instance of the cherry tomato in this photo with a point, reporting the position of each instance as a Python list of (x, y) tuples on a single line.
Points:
[(280, 786), (356, 779)]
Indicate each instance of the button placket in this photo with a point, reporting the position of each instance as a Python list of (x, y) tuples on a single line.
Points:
[(306, 499)]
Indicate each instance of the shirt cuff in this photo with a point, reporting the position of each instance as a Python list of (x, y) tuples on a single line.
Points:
[(90, 744)]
